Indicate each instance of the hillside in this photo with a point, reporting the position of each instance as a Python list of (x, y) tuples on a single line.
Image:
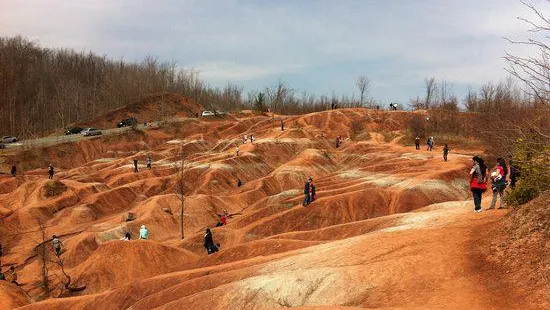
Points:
[(391, 228)]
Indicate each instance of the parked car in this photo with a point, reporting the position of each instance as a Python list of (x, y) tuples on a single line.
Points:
[(73, 130), (207, 113), (90, 132), (9, 139), (130, 121), (220, 112)]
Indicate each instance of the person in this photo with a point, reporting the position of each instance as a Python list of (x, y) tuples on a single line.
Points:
[(13, 170), (56, 243), (148, 162), (237, 151), (239, 183), (13, 276), (2, 276), (313, 192), (430, 143), (445, 152), (127, 237), (244, 138), (143, 233), (514, 174), (417, 142), (135, 165), (51, 172), (498, 183), (209, 242), (307, 192), (222, 220), (252, 138), (282, 125), (478, 181)]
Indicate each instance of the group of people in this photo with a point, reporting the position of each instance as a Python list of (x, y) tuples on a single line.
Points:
[(430, 146), (309, 192), (246, 137), (498, 174), (393, 106), (147, 162)]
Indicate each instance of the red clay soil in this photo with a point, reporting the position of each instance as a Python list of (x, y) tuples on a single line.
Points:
[(391, 228)]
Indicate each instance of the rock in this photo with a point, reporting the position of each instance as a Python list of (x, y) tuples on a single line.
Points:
[(130, 216)]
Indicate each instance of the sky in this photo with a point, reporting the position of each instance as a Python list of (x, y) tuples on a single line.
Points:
[(314, 46)]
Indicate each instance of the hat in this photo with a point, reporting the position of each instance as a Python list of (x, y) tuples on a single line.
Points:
[(142, 226)]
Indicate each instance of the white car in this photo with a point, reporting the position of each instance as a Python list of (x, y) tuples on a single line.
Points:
[(90, 132), (9, 139), (207, 113)]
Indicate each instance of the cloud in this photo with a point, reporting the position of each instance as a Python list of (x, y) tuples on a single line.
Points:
[(321, 45)]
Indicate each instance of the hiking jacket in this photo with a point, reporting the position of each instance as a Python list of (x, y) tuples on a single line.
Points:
[(477, 180), (143, 233), (208, 241)]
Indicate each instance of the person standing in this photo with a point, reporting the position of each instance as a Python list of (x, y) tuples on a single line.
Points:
[(313, 192), (478, 181), (209, 242), (148, 162), (56, 243), (498, 183), (445, 152), (417, 142), (237, 151), (50, 172), (514, 174), (282, 125), (244, 138), (13, 170), (135, 165), (143, 232), (307, 192)]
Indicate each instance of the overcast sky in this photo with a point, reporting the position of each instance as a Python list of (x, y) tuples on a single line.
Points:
[(315, 46)]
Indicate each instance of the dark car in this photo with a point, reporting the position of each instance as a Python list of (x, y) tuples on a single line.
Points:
[(130, 121), (73, 130)]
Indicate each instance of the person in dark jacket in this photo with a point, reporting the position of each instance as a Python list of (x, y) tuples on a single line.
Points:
[(135, 165), (445, 152), (307, 192), (13, 170), (51, 172), (209, 242), (514, 174), (417, 142)]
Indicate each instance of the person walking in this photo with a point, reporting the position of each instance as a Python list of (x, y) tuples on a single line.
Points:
[(430, 143), (251, 138), (13, 170), (478, 181), (307, 192), (56, 243), (239, 183), (282, 125), (445, 152), (135, 165), (313, 192), (209, 242), (514, 174), (50, 172), (498, 183), (143, 232), (148, 162), (237, 151), (417, 142)]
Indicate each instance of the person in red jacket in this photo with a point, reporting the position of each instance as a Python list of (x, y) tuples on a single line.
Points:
[(478, 181)]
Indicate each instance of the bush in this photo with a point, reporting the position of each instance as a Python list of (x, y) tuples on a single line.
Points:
[(54, 188), (531, 157)]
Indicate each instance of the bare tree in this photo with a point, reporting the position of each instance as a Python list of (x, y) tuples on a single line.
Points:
[(181, 171), (431, 90), (534, 71), (363, 83)]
